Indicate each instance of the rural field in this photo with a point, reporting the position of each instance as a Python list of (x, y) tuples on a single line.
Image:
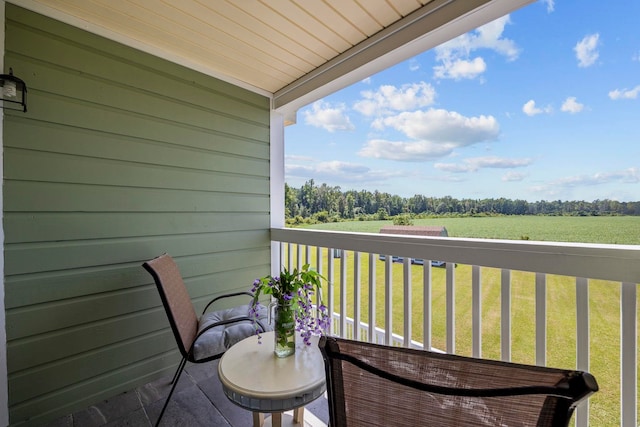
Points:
[(561, 313), (620, 230)]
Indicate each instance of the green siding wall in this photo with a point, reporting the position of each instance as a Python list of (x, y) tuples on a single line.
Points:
[(122, 156)]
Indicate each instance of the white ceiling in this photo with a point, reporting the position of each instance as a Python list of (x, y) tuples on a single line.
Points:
[(293, 50)]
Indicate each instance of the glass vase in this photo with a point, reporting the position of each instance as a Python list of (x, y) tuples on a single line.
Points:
[(284, 327)]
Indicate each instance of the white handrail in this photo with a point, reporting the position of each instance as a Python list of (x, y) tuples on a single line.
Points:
[(614, 263), (619, 263)]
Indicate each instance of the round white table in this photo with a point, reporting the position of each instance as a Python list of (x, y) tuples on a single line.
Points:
[(255, 379)]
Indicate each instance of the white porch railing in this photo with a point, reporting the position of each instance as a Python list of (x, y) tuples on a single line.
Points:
[(618, 265), (379, 336)]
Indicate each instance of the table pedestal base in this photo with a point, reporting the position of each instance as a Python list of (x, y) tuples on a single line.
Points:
[(287, 419)]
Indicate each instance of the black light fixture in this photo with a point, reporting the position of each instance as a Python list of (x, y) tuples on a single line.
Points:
[(13, 92)]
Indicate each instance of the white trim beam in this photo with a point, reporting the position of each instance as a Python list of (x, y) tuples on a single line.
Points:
[(4, 393), (433, 24)]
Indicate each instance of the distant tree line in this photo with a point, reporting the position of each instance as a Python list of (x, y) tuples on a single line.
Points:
[(323, 203)]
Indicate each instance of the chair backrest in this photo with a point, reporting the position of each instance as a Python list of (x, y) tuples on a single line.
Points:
[(176, 300), (375, 385)]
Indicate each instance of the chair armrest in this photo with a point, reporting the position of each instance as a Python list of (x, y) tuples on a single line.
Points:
[(235, 294)]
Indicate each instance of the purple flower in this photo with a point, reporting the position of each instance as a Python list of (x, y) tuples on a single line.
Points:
[(298, 287)]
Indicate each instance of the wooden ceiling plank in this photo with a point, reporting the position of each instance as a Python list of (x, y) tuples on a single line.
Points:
[(405, 7), (237, 25), (221, 58), (356, 15), (338, 25), (160, 31), (316, 29), (215, 40), (381, 11), (267, 44), (250, 24), (292, 29)]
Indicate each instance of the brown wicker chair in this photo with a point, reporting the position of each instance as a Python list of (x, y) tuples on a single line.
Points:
[(199, 339), (375, 385)]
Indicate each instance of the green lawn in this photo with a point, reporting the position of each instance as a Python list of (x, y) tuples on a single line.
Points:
[(561, 323), (622, 230)]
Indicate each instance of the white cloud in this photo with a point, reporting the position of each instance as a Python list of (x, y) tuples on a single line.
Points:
[(298, 158), (431, 134), (570, 105), (530, 109), (460, 69), (406, 151), (625, 176), (455, 54), (330, 118), (587, 50), (489, 36), (336, 166), (388, 99), (476, 163), (335, 170), (444, 126), (298, 170), (512, 176), (625, 93), (550, 5)]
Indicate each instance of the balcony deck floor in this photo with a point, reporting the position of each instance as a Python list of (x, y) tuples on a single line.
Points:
[(197, 401)]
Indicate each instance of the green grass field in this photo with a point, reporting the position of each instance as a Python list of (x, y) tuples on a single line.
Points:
[(621, 230), (561, 317)]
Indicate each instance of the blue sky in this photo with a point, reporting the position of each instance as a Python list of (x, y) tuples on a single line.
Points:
[(542, 104)]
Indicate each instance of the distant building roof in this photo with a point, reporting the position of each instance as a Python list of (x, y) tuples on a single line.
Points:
[(415, 230)]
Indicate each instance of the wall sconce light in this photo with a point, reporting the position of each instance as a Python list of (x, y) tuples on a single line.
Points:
[(13, 92)]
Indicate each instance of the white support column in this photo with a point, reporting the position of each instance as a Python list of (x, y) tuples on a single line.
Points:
[(582, 342), (307, 255), (343, 293), (276, 184), (406, 271), (628, 354), (388, 300), (505, 314), (299, 256), (476, 312), (331, 291), (541, 319), (426, 304), (451, 307), (4, 394), (320, 270), (319, 261), (356, 295), (372, 297)]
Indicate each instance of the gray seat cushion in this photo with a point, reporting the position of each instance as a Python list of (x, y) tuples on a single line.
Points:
[(219, 338)]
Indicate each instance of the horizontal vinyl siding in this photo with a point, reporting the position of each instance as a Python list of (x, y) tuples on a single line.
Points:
[(121, 157)]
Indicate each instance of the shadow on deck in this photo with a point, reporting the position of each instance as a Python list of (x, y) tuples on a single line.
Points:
[(198, 401)]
